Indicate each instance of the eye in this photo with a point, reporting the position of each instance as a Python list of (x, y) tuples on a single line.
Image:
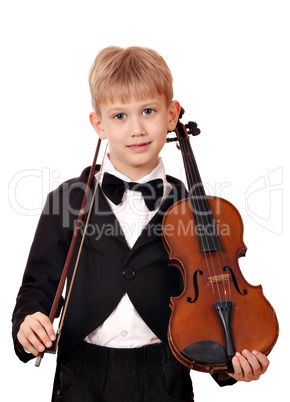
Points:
[(148, 111), (119, 116)]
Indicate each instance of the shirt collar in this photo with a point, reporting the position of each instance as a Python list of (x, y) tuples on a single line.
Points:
[(157, 173)]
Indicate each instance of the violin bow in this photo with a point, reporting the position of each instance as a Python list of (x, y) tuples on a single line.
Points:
[(66, 267)]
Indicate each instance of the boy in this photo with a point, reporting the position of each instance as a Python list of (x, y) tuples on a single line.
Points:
[(114, 340)]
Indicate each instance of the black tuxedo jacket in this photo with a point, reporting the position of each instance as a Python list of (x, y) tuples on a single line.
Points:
[(107, 269)]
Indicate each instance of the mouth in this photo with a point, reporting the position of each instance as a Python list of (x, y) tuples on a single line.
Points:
[(139, 147)]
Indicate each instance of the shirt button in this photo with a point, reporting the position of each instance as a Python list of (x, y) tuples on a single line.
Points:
[(124, 333), (129, 273)]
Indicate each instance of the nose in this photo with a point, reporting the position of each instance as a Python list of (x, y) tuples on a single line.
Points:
[(137, 127)]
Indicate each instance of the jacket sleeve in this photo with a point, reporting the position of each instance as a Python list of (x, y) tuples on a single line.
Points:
[(229, 381), (43, 270)]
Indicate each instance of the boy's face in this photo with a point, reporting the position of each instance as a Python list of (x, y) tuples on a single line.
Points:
[(136, 132)]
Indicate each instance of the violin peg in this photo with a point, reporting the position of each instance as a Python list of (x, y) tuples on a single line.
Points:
[(192, 128)]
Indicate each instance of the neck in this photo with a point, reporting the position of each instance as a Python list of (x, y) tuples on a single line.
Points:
[(135, 173)]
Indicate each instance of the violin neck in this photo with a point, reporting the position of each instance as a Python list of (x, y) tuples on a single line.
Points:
[(205, 225)]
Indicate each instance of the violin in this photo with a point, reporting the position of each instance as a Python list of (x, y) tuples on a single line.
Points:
[(218, 312)]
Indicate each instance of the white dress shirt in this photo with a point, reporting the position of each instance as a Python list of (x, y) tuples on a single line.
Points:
[(124, 328)]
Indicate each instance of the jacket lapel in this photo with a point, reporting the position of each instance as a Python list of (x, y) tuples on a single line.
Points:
[(153, 230), (104, 224)]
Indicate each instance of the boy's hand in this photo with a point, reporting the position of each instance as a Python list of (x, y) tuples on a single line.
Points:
[(36, 333), (249, 366)]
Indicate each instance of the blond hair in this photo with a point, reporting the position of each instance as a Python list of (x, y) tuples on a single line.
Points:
[(128, 73)]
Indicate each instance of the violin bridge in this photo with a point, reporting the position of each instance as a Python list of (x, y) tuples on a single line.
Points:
[(216, 279)]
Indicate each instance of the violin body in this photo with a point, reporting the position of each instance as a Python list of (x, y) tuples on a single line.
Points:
[(219, 312), (252, 316)]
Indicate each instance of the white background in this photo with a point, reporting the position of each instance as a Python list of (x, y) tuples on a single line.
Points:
[(230, 62)]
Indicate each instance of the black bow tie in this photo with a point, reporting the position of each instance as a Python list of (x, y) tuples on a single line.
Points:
[(114, 188)]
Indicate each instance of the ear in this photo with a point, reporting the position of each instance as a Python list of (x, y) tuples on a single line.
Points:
[(173, 115), (97, 125)]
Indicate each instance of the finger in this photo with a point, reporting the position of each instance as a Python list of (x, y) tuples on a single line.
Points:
[(26, 344), (38, 336), (238, 372), (31, 338), (251, 366), (47, 325), (262, 359), (242, 368), (35, 333), (246, 358), (258, 362)]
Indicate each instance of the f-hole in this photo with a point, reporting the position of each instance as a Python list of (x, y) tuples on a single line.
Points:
[(235, 281), (195, 284)]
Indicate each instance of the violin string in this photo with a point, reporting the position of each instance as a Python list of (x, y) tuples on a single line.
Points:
[(204, 212), (215, 237), (198, 198), (193, 179), (206, 223)]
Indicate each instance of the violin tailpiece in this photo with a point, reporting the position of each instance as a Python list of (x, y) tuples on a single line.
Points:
[(224, 310)]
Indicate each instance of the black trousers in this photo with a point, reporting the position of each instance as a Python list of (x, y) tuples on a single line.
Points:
[(148, 374)]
